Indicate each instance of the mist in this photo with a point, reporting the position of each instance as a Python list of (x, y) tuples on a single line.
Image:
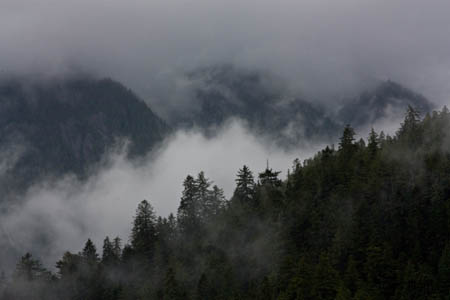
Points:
[(323, 49), (60, 215)]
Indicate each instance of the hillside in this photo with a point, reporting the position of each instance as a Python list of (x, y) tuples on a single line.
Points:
[(55, 127), (368, 220), (225, 92)]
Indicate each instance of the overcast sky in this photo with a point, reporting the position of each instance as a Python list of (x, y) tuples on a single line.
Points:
[(324, 48)]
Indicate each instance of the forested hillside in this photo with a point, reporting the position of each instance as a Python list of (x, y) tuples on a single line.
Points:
[(367, 219), (60, 126)]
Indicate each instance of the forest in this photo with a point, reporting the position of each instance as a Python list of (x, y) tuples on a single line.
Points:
[(365, 219)]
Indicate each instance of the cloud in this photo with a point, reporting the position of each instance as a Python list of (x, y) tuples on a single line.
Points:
[(323, 48), (62, 214)]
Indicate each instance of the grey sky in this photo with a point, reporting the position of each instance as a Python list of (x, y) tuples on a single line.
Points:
[(324, 48)]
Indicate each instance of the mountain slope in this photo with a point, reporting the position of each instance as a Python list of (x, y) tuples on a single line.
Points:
[(224, 92), (68, 125), (387, 98)]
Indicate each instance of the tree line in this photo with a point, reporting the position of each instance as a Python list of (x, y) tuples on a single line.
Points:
[(368, 219)]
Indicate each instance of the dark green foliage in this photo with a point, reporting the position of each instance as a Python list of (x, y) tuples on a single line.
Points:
[(361, 222), (89, 252), (143, 233), (245, 187), (111, 252)]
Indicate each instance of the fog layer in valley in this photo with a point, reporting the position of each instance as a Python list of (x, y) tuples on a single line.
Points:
[(62, 214)]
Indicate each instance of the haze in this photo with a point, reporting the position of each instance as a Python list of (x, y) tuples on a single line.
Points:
[(325, 49)]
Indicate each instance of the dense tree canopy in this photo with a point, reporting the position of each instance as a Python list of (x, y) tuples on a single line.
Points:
[(360, 222)]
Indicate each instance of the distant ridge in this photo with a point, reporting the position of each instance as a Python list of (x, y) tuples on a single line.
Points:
[(66, 126)]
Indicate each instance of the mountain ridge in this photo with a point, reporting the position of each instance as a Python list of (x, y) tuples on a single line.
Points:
[(67, 126)]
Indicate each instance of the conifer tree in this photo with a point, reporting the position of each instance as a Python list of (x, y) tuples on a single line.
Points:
[(188, 205), (269, 178), (347, 139), (109, 256), (143, 233), (29, 269), (410, 133), (203, 196), (68, 265), (89, 252), (117, 247), (188, 210), (245, 186), (373, 142)]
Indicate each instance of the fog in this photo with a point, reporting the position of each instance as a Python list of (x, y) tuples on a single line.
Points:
[(62, 214), (325, 49)]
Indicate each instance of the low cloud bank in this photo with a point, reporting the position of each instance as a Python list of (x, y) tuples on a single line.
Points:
[(61, 215)]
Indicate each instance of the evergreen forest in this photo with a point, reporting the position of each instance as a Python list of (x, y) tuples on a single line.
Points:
[(365, 219)]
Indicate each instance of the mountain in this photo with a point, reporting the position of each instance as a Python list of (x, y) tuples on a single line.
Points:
[(359, 222), (225, 92), (55, 127), (60, 126), (387, 98)]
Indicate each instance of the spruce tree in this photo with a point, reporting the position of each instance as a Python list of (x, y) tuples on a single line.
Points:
[(89, 252), (143, 233), (188, 211), (269, 178), (373, 142), (30, 269), (109, 256), (347, 139), (117, 247), (245, 186)]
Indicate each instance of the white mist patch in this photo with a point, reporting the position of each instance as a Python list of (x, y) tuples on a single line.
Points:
[(61, 215)]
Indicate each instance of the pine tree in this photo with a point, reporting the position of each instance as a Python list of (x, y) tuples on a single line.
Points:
[(117, 247), (373, 142), (214, 202), (203, 197), (89, 252), (110, 255), (143, 233), (347, 139), (410, 133), (68, 265), (29, 269), (245, 186), (269, 178), (188, 215)]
